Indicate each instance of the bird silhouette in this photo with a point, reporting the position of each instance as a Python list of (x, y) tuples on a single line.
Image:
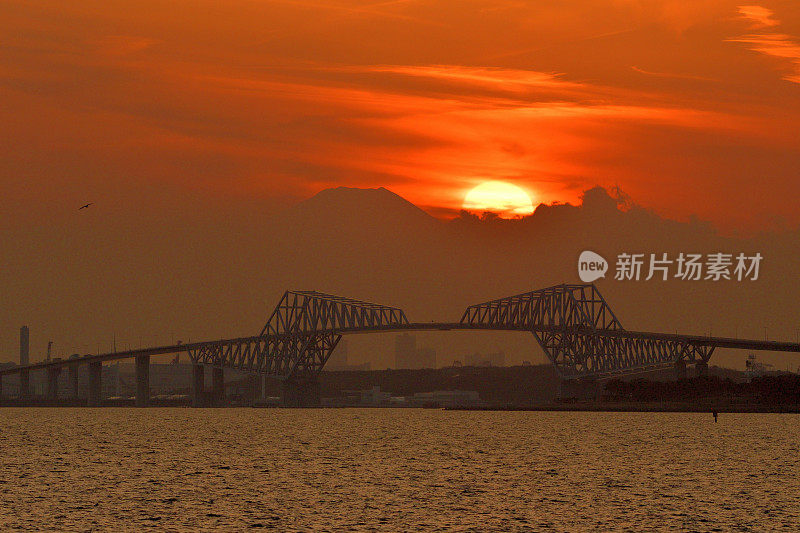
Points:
[(85, 206)]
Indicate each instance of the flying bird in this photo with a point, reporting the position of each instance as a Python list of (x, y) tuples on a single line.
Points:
[(85, 206)]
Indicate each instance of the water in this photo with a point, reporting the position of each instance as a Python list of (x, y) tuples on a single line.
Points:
[(396, 470)]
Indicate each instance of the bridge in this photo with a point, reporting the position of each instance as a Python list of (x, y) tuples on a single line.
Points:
[(574, 325)]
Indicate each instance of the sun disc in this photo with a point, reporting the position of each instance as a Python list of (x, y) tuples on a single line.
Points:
[(505, 199)]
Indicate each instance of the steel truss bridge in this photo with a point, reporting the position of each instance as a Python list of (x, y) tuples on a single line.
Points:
[(573, 324)]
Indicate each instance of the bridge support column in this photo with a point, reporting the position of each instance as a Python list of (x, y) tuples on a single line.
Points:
[(218, 386), (95, 392), (256, 381), (198, 384), (142, 380), (52, 382), (25, 384), (680, 369), (300, 393), (701, 368), (73, 380)]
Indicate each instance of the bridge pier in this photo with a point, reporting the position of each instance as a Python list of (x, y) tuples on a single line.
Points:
[(254, 391), (701, 368), (300, 393), (25, 384), (680, 369), (95, 392), (142, 380), (72, 370), (52, 382), (198, 384), (218, 386)]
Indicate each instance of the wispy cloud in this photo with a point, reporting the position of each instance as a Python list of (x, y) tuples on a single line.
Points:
[(771, 43), (121, 45), (498, 78), (760, 16), (671, 75)]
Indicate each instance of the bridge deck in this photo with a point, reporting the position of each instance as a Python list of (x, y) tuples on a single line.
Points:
[(717, 342)]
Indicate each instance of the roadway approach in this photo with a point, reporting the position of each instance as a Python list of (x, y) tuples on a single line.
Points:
[(572, 323)]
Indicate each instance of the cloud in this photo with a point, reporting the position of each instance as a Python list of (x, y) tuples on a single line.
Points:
[(121, 45), (760, 16), (496, 78), (672, 75), (773, 44), (776, 45)]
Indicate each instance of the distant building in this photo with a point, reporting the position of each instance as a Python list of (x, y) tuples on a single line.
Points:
[(356, 367), (405, 348), (338, 357), (408, 356), (489, 359), (445, 398), (426, 358), (374, 397), (339, 361), (755, 368)]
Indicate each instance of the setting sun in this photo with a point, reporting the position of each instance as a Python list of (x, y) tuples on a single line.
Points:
[(499, 197)]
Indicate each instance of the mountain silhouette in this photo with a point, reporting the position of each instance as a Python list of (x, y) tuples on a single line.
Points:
[(358, 217), (343, 205), (216, 271)]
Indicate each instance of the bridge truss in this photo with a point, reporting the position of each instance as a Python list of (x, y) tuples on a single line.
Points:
[(299, 336), (573, 324), (580, 334)]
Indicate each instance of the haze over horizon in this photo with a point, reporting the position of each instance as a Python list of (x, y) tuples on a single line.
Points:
[(182, 276)]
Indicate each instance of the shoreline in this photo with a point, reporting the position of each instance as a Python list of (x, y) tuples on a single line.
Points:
[(584, 406), (636, 407)]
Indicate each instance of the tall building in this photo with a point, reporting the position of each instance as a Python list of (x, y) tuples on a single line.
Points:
[(24, 346), (407, 355), (339, 361), (339, 355), (426, 358), (405, 351)]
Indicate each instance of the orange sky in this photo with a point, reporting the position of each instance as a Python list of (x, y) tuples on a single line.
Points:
[(689, 107)]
